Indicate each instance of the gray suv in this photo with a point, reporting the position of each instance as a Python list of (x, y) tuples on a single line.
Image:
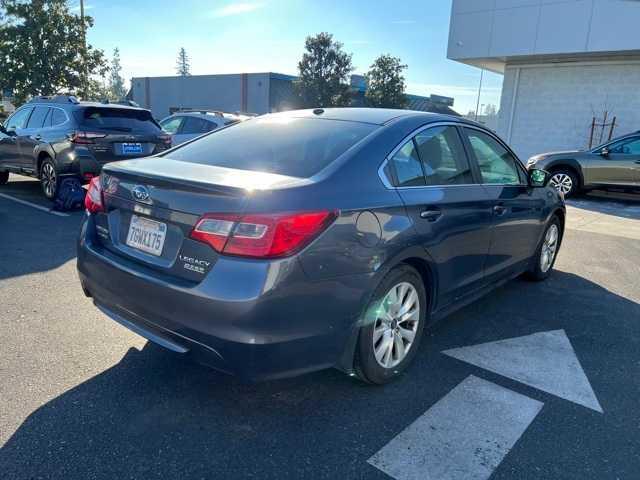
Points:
[(52, 137), (613, 165)]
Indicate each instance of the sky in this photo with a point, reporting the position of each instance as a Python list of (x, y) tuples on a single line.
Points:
[(227, 36)]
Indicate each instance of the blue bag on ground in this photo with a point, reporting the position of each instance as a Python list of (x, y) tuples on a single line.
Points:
[(70, 195)]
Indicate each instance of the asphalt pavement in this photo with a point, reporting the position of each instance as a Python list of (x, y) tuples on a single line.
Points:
[(536, 380)]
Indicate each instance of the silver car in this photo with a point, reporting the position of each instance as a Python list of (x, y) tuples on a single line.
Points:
[(187, 125)]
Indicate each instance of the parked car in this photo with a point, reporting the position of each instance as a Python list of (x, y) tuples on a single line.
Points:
[(311, 239), (53, 137), (613, 165), (187, 125)]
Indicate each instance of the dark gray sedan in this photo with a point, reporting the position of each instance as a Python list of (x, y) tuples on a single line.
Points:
[(304, 240)]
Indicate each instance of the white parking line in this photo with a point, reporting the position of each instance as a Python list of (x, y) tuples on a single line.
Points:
[(544, 360), (465, 435), (33, 205)]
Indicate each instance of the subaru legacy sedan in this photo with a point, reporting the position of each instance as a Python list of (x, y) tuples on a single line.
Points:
[(310, 239)]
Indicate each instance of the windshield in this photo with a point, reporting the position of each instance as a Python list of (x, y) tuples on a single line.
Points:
[(296, 147), (118, 119)]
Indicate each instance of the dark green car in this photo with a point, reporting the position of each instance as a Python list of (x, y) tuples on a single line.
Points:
[(613, 165)]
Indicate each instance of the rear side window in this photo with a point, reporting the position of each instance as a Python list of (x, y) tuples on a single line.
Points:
[(406, 164), (37, 117), (297, 147), (118, 119), (497, 164), (58, 117), (195, 125), (443, 156)]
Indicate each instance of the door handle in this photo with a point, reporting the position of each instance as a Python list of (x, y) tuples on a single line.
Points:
[(431, 215), (637, 161), (37, 137), (499, 209)]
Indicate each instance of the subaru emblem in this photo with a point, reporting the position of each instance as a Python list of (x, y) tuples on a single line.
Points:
[(140, 193)]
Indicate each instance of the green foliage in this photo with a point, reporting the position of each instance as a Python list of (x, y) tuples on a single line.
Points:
[(183, 64), (385, 83), (117, 90), (42, 50), (323, 73)]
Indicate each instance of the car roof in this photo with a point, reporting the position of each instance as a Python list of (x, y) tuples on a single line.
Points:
[(377, 116)]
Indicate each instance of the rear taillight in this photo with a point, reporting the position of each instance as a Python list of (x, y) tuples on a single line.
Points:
[(166, 139), (93, 199), (85, 138), (260, 235)]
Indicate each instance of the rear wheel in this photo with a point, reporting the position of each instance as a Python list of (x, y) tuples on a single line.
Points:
[(393, 327), (565, 181), (4, 178), (547, 251), (49, 179)]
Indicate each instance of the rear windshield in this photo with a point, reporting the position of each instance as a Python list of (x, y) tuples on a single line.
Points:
[(297, 147), (120, 120)]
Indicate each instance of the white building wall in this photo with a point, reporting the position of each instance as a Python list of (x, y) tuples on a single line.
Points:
[(549, 107)]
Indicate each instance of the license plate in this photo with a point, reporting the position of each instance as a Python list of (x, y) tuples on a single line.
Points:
[(146, 235), (129, 148)]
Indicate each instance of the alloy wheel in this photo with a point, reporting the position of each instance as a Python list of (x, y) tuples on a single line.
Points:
[(49, 179), (562, 182), (396, 325), (549, 248)]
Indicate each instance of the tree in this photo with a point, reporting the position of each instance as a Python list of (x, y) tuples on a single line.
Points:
[(385, 83), (183, 65), (42, 51), (323, 73), (490, 110), (117, 90)]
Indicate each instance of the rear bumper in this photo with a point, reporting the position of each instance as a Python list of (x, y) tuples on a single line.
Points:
[(253, 319)]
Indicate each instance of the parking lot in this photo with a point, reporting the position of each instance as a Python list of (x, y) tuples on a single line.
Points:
[(557, 397)]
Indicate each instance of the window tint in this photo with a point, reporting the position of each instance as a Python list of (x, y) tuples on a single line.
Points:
[(497, 165), (58, 117), (37, 117), (195, 125), (19, 119), (630, 146), (298, 147), (443, 156), (118, 119), (406, 163), (171, 125)]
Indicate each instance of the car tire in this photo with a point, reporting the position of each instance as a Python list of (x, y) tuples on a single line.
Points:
[(49, 179), (387, 343), (546, 254), (4, 178), (565, 181)]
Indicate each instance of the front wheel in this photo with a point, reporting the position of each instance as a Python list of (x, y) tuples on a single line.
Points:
[(565, 181), (393, 326), (547, 252), (49, 179), (4, 178)]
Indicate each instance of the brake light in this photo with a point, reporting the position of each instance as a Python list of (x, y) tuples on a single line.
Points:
[(165, 138), (260, 235), (85, 138), (93, 199)]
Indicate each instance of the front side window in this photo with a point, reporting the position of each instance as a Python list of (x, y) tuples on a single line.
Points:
[(407, 168), (171, 125), (443, 156), (629, 146), (19, 119), (497, 165)]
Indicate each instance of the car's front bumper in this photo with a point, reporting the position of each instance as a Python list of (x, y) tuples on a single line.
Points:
[(253, 319)]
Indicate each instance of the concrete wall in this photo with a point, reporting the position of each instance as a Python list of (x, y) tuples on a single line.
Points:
[(488, 33), (217, 92), (549, 107)]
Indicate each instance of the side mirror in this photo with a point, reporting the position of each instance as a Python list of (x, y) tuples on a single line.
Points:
[(604, 152), (2, 129), (538, 178)]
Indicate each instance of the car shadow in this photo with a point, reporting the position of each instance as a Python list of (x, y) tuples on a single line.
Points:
[(625, 205), (32, 240), (156, 415)]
